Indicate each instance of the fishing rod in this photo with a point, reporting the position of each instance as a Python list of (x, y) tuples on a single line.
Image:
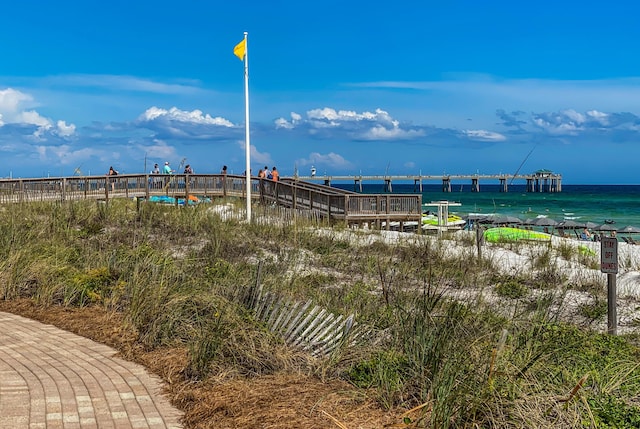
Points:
[(521, 164)]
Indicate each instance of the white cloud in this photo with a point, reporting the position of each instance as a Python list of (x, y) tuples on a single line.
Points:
[(600, 117), (328, 160), (369, 126), (475, 97), (65, 130), (574, 116), (61, 129), (329, 115), (13, 105), (570, 122), (379, 132), (66, 155), (11, 100), (159, 149), (283, 123), (557, 127), (33, 118), (288, 125), (257, 157), (177, 115), (484, 135)]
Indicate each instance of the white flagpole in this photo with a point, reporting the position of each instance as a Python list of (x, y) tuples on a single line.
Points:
[(246, 126)]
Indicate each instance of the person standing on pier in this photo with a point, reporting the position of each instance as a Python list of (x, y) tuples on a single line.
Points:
[(112, 172), (224, 180), (167, 168), (154, 183), (168, 171)]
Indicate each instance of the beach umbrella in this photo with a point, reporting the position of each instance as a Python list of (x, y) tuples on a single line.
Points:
[(544, 221), (486, 219), (498, 220), (590, 225), (570, 224), (630, 230), (477, 217), (605, 227)]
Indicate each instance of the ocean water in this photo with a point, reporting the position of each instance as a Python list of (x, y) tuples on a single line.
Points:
[(583, 203)]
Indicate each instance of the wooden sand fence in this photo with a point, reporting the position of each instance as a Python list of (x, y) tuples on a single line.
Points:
[(303, 325)]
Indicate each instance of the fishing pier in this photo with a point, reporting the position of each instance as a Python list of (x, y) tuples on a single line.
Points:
[(303, 194), (540, 181)]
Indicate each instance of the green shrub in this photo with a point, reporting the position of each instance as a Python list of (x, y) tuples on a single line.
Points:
[(593, 311), (566, 251), (512, 288), (385, 371), (89, 287), (542, 261), (610, 412)]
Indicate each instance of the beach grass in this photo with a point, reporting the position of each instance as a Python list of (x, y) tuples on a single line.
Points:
[(449, 335)]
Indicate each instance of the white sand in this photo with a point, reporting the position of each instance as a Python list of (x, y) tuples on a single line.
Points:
[(515, 259)]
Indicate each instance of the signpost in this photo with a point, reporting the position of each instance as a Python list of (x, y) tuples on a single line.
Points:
[(609, 266)]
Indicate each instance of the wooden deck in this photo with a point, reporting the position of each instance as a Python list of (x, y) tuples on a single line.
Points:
[(323, 201)]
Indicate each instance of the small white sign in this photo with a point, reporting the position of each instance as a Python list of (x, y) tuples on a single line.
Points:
[(609, 255)]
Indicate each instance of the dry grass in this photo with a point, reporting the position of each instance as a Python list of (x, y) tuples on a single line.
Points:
[(279, 401)]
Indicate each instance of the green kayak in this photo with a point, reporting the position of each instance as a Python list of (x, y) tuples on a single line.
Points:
[(494, 235)]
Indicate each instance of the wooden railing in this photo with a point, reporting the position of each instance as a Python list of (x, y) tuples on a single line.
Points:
[(324, 201), (127, 186), (341, 204)]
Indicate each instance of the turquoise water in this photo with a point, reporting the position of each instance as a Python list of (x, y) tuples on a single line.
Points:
[(583, 203)]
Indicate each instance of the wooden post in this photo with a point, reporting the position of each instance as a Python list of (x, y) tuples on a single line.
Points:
[(612, 312), (187, 189), (609, 266), (295, 196), (479, 239)]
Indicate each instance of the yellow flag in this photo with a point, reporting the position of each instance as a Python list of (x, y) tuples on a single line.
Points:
[(240, 49)]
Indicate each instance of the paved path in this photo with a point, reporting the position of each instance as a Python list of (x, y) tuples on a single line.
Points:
[(51, 378)]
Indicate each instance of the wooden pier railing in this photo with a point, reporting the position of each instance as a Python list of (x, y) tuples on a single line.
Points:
[(331, 203), (121, 186), (540, 181)]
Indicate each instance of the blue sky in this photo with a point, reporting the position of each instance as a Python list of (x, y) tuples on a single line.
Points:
[(351, 87)]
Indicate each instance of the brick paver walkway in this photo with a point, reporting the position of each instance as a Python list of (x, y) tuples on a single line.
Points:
[(50, 378)]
